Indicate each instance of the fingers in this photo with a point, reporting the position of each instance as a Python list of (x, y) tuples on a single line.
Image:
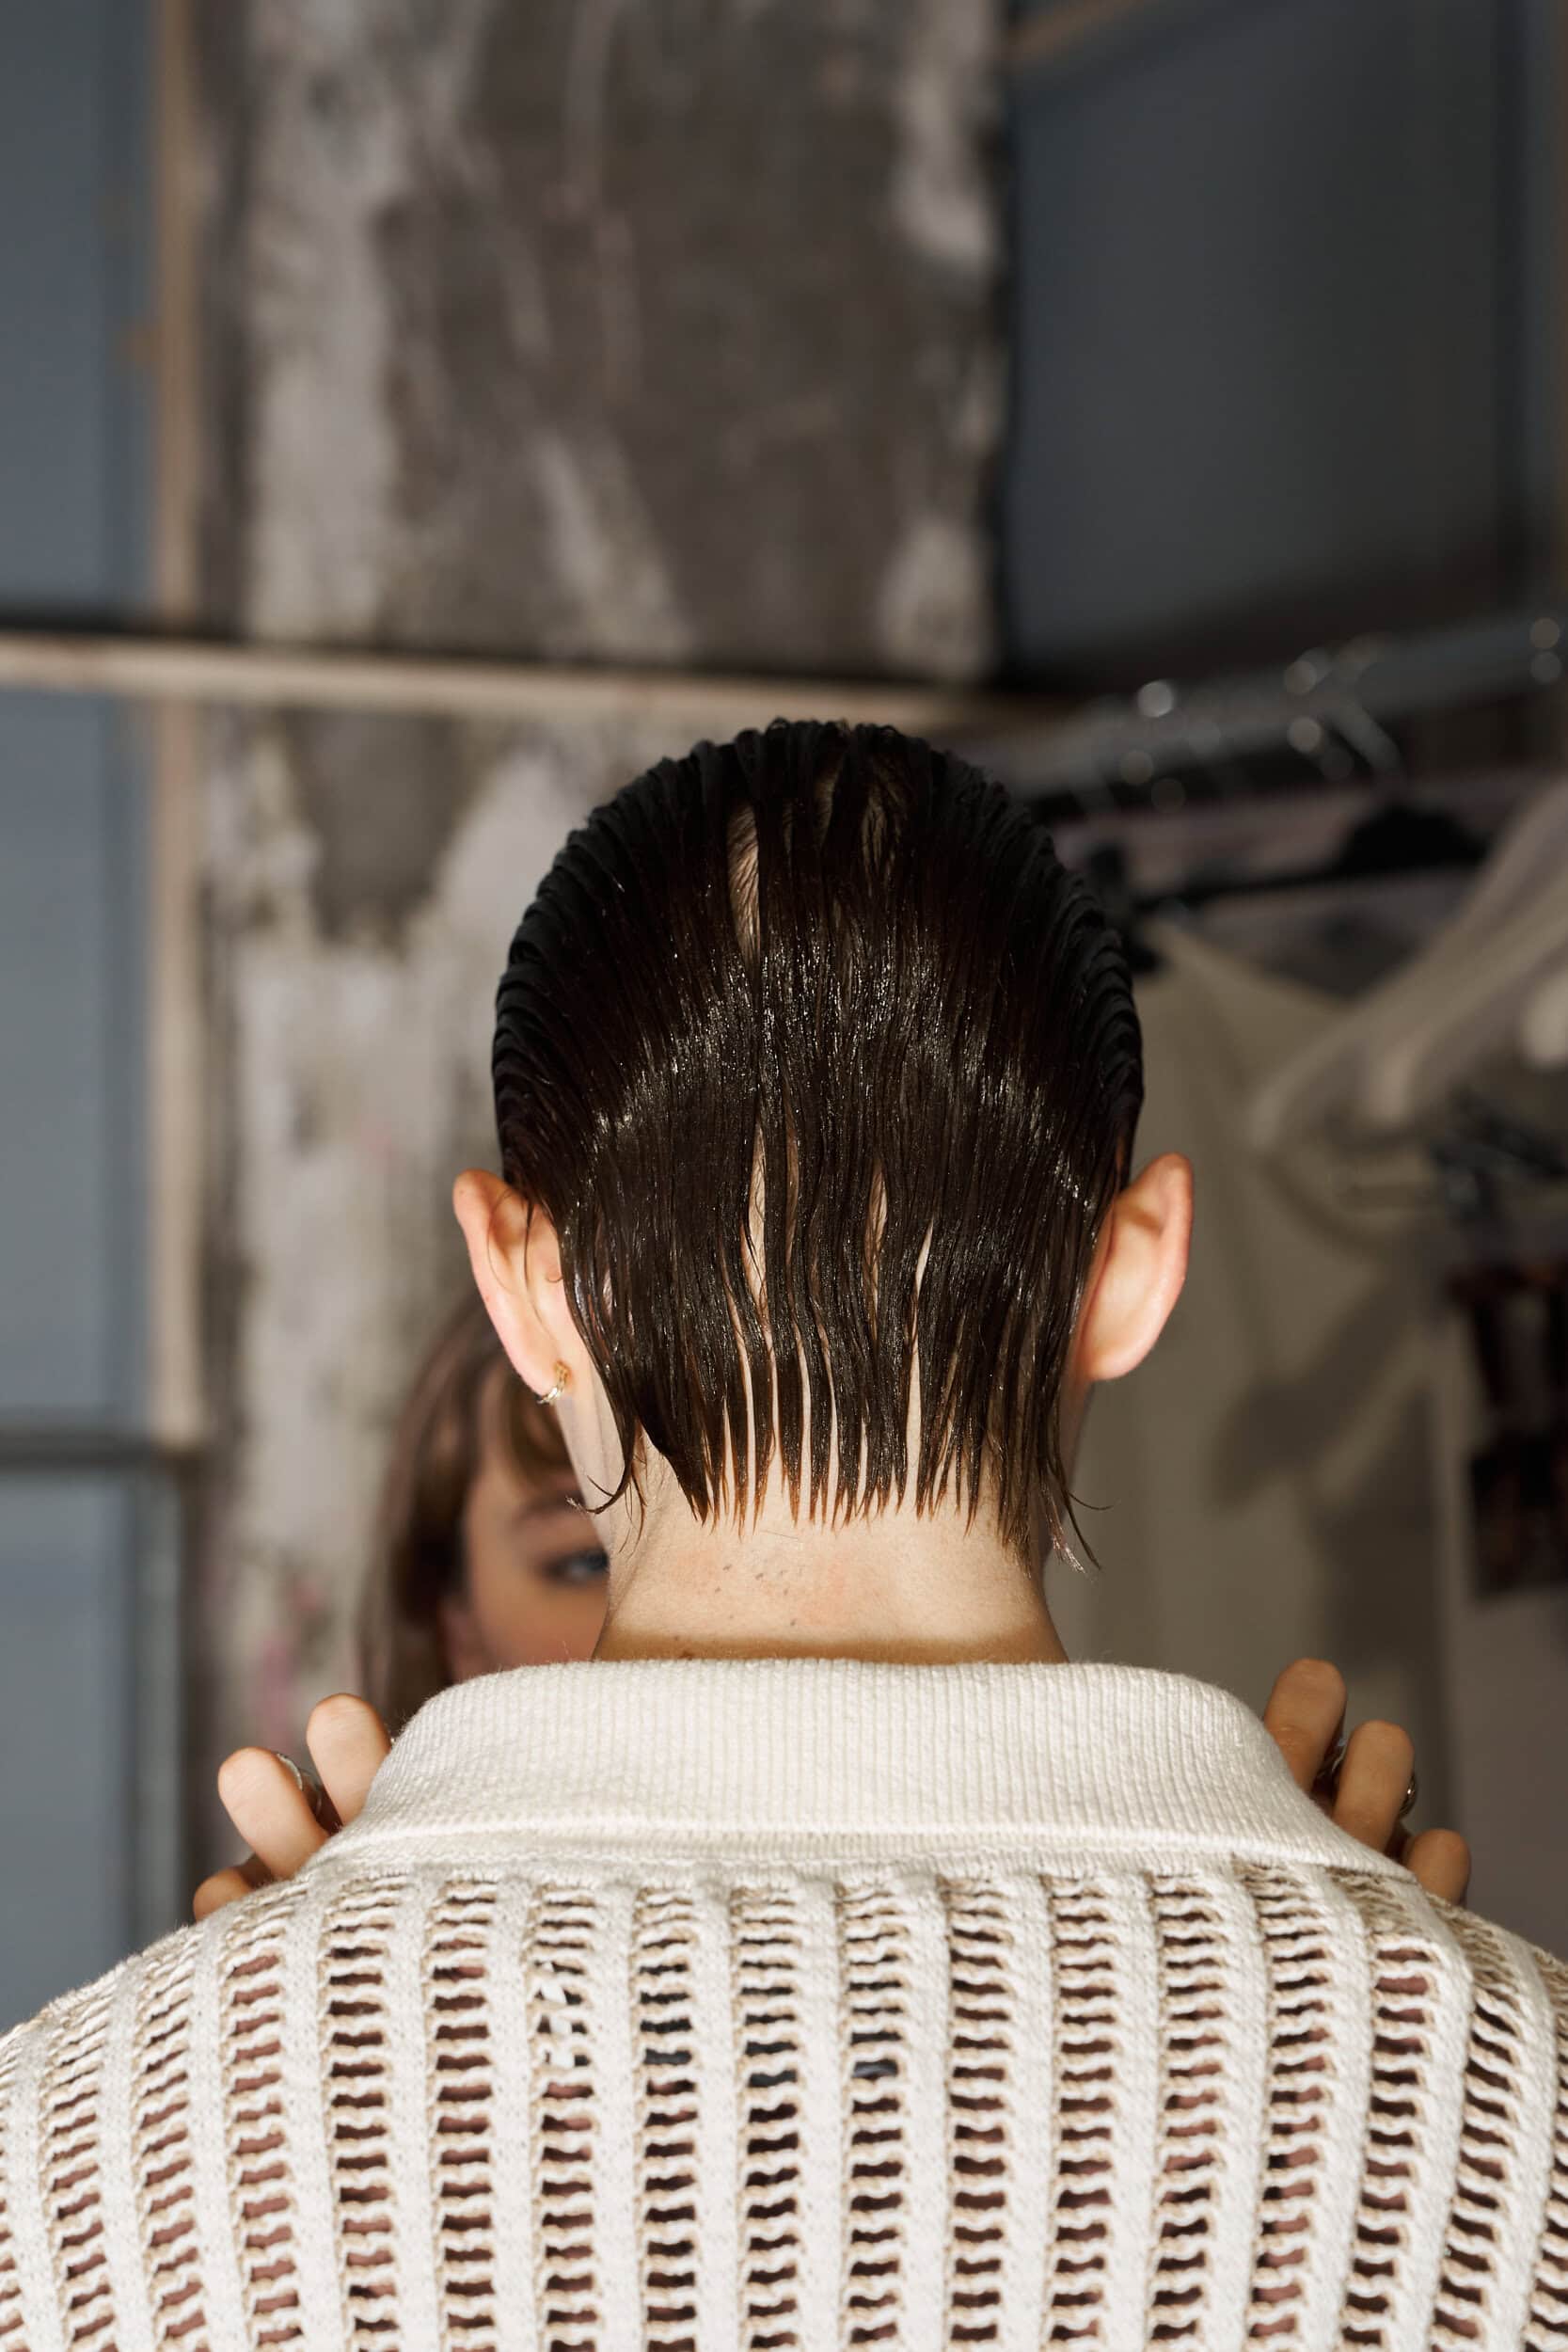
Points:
[(269, 1809), (226, 1886), (1306, 1708), (284, 1823), (1379, 1758), (1441, 1860), (348, 1743), (1305, 1714)]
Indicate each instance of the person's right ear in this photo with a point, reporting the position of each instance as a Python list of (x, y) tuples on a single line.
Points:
[(516, 1264)]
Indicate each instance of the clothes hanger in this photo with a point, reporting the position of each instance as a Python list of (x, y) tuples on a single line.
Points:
[(1402, 838), (1530, 849), (1474, 1001), (1544, 1029), (1476, 985)]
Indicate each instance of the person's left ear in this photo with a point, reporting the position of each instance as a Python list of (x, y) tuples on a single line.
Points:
[(515, 1257), (1140, 1268)]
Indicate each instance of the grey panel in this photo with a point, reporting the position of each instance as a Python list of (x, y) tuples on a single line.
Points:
[(1259, 383), (66, 1736), (72, 395), (72, 1246), (74, 414), (73, 407)]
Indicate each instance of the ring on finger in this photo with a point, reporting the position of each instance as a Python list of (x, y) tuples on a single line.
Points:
[(1333, 1763), (1328, 1771), (309, 1789)]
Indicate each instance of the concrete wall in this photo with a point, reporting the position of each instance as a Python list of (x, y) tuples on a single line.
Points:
[(367, 877), (653, 334)]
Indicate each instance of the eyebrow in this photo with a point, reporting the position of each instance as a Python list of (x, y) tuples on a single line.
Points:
[(545, 1506)]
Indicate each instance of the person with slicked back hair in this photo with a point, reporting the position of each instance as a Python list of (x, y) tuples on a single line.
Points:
[(828, 1961), (895, 1038)]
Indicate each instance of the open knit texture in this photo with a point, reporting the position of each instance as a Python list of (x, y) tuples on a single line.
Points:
[(805, 2005)]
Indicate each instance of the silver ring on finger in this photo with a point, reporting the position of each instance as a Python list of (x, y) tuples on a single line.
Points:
[(310, 1787), (1329, 1770)]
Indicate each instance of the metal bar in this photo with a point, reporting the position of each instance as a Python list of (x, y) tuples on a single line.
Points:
[(176, 1039), (1050, 38), (1289, 831), (1348, 698), (161, 1806), (45, 1452), (176, 197), (189, 669)]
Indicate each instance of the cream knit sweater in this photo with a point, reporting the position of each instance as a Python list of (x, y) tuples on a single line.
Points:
[(806, 2005)]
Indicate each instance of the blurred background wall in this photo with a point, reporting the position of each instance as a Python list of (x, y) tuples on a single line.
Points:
[(656, 370)]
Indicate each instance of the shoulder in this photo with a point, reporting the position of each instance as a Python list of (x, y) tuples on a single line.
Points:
[(1496, 1957), (1423, 1950), (151, 1990)]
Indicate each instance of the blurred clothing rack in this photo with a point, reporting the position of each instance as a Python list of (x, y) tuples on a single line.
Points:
[(1326, 717)]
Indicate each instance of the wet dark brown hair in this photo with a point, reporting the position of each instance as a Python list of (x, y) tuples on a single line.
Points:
[(418, 1559), (812, 1048)]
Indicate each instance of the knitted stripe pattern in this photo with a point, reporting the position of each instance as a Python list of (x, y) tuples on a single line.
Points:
[(516, 2077)]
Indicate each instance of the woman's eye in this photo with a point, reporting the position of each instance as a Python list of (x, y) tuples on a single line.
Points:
[(578, 1567)]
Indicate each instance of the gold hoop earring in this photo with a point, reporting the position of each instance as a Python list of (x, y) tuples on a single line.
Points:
[(558, 1388)]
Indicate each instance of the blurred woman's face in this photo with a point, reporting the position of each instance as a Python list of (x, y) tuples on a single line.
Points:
[(534, 1591)]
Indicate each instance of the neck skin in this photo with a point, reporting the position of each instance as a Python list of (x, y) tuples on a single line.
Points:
[(927, 1590)]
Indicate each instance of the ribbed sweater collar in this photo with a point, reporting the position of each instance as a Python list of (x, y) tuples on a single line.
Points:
[(786, 1755)]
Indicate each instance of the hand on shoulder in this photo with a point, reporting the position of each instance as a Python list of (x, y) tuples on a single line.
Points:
[(1363, 1787), (281, 1817)]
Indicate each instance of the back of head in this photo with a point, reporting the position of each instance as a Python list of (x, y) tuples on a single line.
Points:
[(825, 1071)]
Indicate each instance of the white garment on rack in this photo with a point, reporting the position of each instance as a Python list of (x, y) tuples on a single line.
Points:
[(1490, 981), (1264, 1474)]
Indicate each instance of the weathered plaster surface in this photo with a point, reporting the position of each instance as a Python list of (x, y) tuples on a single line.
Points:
[(576, 329), (652, 333), (356, 1007)]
